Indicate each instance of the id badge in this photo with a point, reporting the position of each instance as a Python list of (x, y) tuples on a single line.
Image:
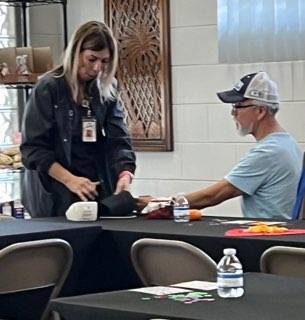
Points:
[(89, 129)]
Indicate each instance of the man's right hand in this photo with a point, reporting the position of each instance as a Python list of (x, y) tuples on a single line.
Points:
[(142, 202)]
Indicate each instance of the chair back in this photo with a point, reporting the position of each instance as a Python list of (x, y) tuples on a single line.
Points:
[(35, 265), (298, 211), (286, 261), (164, 262), (302, 210)]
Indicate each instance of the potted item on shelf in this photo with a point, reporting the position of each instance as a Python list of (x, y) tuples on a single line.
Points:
[(24, 65)]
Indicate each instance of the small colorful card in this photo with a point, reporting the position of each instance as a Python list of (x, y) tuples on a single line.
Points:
[(160, 290)]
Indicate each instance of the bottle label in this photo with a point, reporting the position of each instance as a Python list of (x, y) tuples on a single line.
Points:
[(18, 210), (181, 213), (230, 280)]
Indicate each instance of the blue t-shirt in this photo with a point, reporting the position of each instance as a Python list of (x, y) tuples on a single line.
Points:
[(268, 176)]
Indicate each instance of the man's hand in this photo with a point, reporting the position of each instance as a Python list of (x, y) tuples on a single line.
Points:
[(142, 202)]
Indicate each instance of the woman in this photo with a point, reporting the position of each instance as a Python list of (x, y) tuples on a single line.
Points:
[(75, 145)]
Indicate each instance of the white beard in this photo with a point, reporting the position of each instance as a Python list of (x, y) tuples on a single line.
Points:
[(243, 131)]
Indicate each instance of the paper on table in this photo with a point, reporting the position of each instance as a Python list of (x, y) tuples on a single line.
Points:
[(160, 290), (196, 284), (272, 223), (156, 204), (118, 217), (238, 222), (250, 222)]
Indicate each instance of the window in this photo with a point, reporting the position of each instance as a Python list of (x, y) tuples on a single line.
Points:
[(261, 30), (9, 127)]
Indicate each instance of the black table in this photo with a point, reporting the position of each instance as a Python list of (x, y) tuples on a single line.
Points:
[(207, 234), (102, 249), (267, 297)]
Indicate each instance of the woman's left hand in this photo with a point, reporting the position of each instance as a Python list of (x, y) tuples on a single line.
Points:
[(123, 184)]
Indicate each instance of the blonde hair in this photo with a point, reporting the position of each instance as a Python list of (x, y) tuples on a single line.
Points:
[(95, 36)]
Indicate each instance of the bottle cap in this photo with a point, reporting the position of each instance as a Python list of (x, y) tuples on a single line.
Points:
[(229, 251)]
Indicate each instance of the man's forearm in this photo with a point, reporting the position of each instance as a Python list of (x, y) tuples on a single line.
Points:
[(212, 195)]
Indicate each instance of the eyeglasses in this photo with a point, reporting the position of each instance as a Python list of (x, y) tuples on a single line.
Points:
[(236, 107), (240, 106)]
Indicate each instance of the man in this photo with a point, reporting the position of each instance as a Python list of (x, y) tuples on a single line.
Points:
[(266, 178)]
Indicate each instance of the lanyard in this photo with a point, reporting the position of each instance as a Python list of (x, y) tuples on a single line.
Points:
[(86, 104)]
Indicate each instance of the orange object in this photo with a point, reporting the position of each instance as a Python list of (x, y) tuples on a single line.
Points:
[(279, 229), (195, 214), (261, 227)]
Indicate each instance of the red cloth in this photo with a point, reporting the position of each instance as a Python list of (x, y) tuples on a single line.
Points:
[(239, 232), (161, 213)]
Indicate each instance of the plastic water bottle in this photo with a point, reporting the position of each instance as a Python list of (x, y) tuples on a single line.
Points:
[(230, 278), (18, 209), (181, 208)]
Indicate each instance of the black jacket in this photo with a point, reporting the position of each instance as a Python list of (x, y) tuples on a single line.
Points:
[(46, 138)]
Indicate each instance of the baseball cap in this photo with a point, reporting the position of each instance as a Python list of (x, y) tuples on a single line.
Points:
[(257, 86)]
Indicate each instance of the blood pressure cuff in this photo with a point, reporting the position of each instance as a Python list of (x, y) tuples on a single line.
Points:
[(121, 204)]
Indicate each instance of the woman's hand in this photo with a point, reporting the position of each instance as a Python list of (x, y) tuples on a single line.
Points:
[(83, 187), (123, 184)]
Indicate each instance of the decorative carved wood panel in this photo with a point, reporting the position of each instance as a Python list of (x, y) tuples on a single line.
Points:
[(141, 28)]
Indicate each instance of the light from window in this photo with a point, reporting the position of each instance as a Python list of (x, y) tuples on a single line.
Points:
[(9, 180), (261, 30)]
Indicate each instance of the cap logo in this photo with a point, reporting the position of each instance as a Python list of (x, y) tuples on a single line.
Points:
[(238, 85), (255, 93)]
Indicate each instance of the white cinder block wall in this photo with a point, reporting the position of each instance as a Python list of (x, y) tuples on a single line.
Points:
[(45, 27), (206, 144)]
